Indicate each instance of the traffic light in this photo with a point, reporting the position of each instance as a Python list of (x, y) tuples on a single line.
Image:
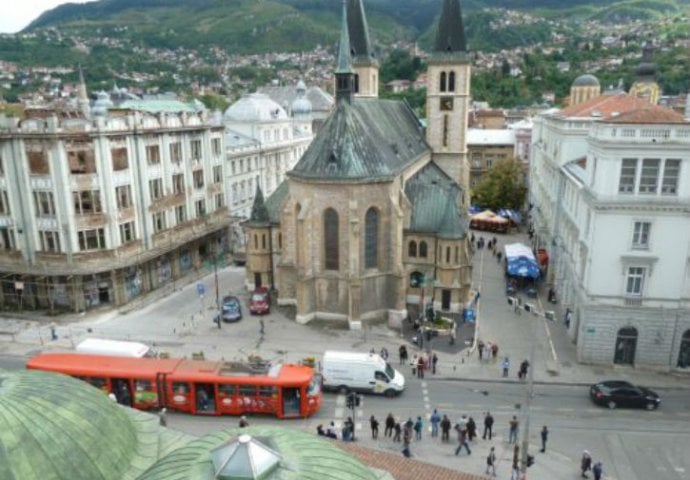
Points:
[(358, 400), (350, 401)]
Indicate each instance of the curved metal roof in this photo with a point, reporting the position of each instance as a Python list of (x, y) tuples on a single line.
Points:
[(586, 80), (255, 107)]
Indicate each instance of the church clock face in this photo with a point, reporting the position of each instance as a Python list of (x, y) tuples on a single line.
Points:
[(446, 103)]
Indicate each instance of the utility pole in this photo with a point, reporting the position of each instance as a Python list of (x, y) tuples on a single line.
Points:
[(528, 400)]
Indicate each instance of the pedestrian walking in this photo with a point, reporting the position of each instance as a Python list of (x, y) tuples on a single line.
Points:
[(488, 425), (402, 352), (434, 361), (499, 255), (505, 365), (162, 417), (418, 426), (53, 332), (491, 462), (390, 425), (544, 438), (445, 429), (413, 364), (480, 350), (585, 463), (435, 419), (348, 430), (407, 439), (462, 440), (471, 429), (522, 373), (374, 427), (384, 353), (494, 351), (397, 429), (420, 367), (263, 327), (597, 470), (514, 425), (243, 422), (567, 317)]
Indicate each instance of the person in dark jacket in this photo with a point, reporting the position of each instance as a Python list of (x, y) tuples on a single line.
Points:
[(445, 429), (488, 425), (390, 425)]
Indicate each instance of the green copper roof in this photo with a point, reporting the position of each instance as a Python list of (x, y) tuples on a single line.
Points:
[(304, 457), (369, 139), (259, 212), (344, 64), (56, 427), (358, 31), (275, 202), (434, 198)]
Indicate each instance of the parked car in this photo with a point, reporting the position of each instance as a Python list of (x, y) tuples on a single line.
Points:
[(260, 301), (231, 310), (619, 393)]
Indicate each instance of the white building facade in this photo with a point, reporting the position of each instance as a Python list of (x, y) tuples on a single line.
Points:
[(100, 210), (610, 183)]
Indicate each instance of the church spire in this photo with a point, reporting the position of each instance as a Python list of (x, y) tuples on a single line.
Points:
[(259, 211), (450, 37), (344, 75), (359, 33)]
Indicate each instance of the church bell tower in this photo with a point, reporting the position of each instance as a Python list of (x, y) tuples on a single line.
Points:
[(364, 61), (448, 93)]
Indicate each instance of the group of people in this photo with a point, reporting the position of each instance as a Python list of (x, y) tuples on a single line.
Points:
[(487, 351), (587, 464), (423, 361)]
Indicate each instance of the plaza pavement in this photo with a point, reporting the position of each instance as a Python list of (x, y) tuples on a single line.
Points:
[(185, 326)]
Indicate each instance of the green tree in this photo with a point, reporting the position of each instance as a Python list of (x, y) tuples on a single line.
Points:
[(213, 101), (503, 186)]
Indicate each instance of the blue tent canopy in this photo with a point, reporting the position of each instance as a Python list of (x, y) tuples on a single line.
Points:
[(522, 267)]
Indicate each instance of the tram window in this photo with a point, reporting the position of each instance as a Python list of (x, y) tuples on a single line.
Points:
[(268, 391), (247, 390), (227, 390), (97, 382), (181, 388), (314, 386), (142, 385)]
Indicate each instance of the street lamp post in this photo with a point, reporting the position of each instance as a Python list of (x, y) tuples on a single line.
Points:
[(524, 454)]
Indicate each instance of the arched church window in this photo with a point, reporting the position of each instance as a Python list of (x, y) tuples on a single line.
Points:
[(443, 82), (447, 254), (356, 83), (422, 249), (263, 241), (457, 255), (280, 240), (256, 241), (330, 239), (412, 249), (451, 82), (371, 239)]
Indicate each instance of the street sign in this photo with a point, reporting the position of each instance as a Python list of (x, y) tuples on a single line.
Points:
[(201, 289)]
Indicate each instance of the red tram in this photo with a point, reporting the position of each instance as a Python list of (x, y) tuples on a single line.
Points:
[(194, 386)]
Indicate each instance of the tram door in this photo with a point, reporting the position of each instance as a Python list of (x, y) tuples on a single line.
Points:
[(291, 402), (626, 344), (205, 394)]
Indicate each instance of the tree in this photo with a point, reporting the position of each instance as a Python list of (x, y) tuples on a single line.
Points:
[(503, 186)]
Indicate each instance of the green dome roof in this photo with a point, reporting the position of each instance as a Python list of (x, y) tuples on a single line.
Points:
[(54, 426), (303, 457)]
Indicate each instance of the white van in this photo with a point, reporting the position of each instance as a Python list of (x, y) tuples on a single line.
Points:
[(362, 372), (115, 348)]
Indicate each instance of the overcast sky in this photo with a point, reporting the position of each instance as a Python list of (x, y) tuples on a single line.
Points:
[(22, 12)]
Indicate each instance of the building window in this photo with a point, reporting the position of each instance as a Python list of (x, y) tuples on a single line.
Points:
[(215, 146), (220, 200), (50, 241), (635, 281), (158, 221), (669, 184), (120, 160), (178, 184), (280, 240), (81, 161), (416, 280), (331, 239), (87, 202), (412, 249), (153, 154), (235, 194), (640, 239), (198, 176), (91, 239), (457, 255), (176, 152), (180, 214), (200, 207), (422, 249), (127, 232), (7, 238), (156, 188), (45, 205), (442, 85), (371, 239), (263, 241), (123, 195), (5, 203), (451, 82), (649, 175), (217, 174), (195, 147), (626, 184), (447, 254), (445, 130), (232, 167), (356, 83), (2, 165), (38, 163)]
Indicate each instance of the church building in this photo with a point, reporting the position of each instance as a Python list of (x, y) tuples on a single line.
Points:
[(371, 220)]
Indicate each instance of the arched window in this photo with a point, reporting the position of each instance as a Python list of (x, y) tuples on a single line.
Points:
[(330, 239), (626, 344), (412, 249), (371, 239), (256, 241), (280, 240), (298, 235), (451, 82), (416, 280), (263, 241), (356, 83), (443, 81), (457, 255), (684, 352), (422, 249), (447, 254)]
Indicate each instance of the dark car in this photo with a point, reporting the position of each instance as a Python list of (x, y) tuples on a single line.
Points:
[(618, 393), (231, 311), (260, 301)]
